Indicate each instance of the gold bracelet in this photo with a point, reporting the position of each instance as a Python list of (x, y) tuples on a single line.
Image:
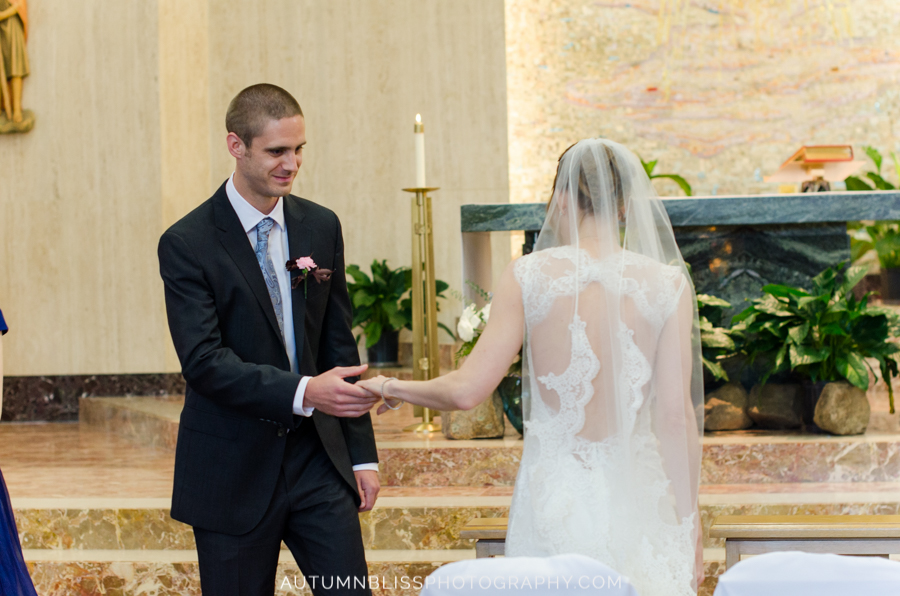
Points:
[(384, 399)]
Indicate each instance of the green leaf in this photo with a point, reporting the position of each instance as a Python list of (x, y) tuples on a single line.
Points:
[(854, 184), (832, 329), (802, 355), (678, 180), (363, 298), (717, 338), (798, 334), (874, 155), (447, 329), (648, 166), (852, 276), (853, 368), (771, 305), (709, 300), (744, 315), (716, 369), (880, 183), (780, 356), (357, 275), (373, 333), (783, 291)]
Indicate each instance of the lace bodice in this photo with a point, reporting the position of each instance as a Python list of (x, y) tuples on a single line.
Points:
[(549, 274)]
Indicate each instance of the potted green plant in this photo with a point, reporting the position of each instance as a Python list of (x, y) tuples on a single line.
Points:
[(382, 307), (881, 236), (376, 309), (884, 238), (823, 335)]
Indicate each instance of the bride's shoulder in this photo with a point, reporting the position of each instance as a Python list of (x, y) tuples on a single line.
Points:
[(653, 269), (539, 258)]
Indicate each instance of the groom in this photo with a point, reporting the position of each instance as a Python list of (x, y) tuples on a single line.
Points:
[(274, 443)]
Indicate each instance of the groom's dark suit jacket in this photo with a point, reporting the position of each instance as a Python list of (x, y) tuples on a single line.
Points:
[(240, 391)]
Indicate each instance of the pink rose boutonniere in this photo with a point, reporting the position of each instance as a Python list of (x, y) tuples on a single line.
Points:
[(306, 266)]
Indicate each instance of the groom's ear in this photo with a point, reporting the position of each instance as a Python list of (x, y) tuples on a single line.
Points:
[(236, 146)]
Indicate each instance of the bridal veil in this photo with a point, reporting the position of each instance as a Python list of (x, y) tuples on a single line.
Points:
[(612, 386)]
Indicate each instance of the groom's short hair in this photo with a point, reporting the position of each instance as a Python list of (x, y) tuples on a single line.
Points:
[(253, 107)]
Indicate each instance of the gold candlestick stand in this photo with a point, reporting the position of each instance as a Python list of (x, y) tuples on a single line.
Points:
[(426, 358)]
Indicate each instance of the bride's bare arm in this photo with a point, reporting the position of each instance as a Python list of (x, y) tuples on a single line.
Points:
[(484, 368)]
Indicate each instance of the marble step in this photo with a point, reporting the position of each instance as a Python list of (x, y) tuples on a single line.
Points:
[(175, 573), (403, 519), (741, 457), (148, 421)]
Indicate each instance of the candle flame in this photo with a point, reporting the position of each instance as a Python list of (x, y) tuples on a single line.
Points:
[(418, 118)]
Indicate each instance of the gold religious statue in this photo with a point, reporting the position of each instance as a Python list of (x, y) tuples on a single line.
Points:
[(14, 66)]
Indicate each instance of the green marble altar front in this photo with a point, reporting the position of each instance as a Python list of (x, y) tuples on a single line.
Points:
[(734, 244)]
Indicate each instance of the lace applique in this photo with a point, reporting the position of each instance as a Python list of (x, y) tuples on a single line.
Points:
[(575, 386), (636, 370)]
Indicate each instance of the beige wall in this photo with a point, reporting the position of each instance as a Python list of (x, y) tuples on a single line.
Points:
[(80, 195), (130, 99)]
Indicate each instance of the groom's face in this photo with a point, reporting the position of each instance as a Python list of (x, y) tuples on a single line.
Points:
[(271, 162)]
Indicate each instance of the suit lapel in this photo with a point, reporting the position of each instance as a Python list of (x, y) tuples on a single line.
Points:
[(234, 240), (299, 246)]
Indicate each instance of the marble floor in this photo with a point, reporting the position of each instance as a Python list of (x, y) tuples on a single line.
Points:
[(92, 499)]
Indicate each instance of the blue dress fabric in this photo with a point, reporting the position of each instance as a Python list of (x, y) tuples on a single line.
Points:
[(14, 578)]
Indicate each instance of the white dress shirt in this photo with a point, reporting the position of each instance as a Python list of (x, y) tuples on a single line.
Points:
[(278, 252)]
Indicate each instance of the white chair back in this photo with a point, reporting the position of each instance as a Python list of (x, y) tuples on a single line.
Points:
[(535, 576), (808, 574)]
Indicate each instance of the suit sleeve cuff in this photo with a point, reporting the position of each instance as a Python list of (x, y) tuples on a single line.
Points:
[(360, 467), (299, 410)]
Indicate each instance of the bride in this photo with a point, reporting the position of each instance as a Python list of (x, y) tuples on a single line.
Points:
[(612, 386)]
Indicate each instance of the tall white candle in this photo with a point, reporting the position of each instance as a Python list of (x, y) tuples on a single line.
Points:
[(419, 131)]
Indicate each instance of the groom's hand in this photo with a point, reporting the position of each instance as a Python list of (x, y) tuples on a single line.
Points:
[(368, 485), (331, 394)]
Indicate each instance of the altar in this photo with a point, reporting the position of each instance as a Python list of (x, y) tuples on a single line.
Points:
[(734, 244)]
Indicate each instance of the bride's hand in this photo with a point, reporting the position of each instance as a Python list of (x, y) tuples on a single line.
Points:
[(375, 386), (372, 385)]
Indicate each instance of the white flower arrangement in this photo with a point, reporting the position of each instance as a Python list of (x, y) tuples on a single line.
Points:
[(470, 327)]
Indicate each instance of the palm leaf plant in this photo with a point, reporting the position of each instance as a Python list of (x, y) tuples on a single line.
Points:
[(649, 166), (825, 334)]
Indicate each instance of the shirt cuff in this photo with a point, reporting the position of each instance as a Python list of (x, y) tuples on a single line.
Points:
[(299, 410), (360, 467)]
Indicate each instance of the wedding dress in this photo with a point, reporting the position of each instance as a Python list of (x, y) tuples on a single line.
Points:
[(612, 386)]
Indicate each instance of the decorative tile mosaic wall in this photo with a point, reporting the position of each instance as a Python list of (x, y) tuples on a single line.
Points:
[(721, 91)]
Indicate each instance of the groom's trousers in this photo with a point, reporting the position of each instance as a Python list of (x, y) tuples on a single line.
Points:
[(314, 512)]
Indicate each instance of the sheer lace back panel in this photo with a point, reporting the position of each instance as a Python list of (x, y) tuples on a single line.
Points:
[(576, 362)]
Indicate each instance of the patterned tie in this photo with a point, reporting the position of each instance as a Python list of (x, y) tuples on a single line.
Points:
[(268, 270)]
